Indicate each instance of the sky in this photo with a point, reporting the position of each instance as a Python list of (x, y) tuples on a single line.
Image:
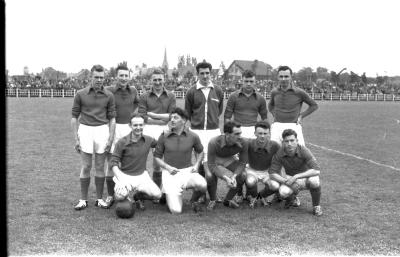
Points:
[(70, 35)]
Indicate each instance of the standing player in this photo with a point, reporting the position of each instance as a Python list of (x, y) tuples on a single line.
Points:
[(128, 163), (176, 146), (260, 153), (93, 132), (156, 106), (204, 104), (126, 103), (302, 172), (285, 106), (222, 163), (245, 105)]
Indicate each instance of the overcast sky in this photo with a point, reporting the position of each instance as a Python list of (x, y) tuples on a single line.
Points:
[(69, 35)]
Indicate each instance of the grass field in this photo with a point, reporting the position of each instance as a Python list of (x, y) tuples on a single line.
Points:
[(360, 197)]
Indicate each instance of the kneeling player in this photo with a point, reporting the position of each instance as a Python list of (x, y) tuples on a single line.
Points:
[(128, 162), (260, 153), (302, 172), (223, 164), (178, 173)]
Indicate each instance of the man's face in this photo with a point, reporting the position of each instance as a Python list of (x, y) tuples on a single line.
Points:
[(123, 77), (176, 122), (137, 124), (204, 76), (235, 136), (284, 78), (157, 81), (97, 79), (262, 135), (248, 85), (289, 144)]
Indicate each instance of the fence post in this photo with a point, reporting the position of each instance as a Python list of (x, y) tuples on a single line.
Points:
[(51, 94), (17, 93), (384, 97), (29, 93), (74, 92), (40, 92), (63, 92)]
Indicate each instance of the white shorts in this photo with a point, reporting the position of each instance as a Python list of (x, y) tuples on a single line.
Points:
[(93, 139), (141, 183), (261, 175), (248, 132), (154, 130), (205, 137), (277, 128), (175, 184), (121, 130)]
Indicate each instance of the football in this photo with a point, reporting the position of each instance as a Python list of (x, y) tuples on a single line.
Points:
[(124, 209)]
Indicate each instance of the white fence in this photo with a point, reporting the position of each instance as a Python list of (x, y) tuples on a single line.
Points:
[(52, 93)]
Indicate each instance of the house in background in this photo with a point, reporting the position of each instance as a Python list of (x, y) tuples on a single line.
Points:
[(262, 70)]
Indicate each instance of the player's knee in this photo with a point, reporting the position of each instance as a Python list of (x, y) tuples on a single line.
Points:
[(313, 182), (157, 194), (175, 209), (201, 185), (272, 185), (86, 167), (251, 181), (285, 191)]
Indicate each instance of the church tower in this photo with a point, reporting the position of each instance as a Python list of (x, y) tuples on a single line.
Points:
[(165, 62)]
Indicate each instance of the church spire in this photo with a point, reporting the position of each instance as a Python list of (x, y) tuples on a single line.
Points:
[(165, 62)]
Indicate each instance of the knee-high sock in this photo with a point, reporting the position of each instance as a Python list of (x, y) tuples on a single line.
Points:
[(250, 191), (266, 192), (315, 195), (195, 196), (157, 178), (110, 186), (212, 188), (85, 182), (99, 181), (240, 179)]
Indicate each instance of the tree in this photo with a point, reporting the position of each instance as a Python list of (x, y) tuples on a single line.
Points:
[(181, 61), (188, 61), (322, 73), (188, 75), (194, 61)]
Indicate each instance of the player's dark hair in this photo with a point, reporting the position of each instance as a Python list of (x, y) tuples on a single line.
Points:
[(121, 67), (283, 68), (248, 74), (262, 124), (181, 112), (288, 132), (229, 125), (97, 68), (137, 115), (203, 65)]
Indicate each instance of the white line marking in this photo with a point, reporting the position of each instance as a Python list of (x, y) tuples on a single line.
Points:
[(355, 156)]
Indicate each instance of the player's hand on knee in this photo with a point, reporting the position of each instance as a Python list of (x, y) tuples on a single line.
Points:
[(290, 181), (295, 187)]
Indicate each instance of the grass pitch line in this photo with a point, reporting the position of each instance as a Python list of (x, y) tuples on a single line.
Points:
[(355, 156)]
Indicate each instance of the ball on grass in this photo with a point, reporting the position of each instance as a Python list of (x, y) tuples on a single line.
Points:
[(124, 209)]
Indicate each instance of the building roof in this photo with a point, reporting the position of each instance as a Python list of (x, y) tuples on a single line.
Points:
[(260, 69)]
